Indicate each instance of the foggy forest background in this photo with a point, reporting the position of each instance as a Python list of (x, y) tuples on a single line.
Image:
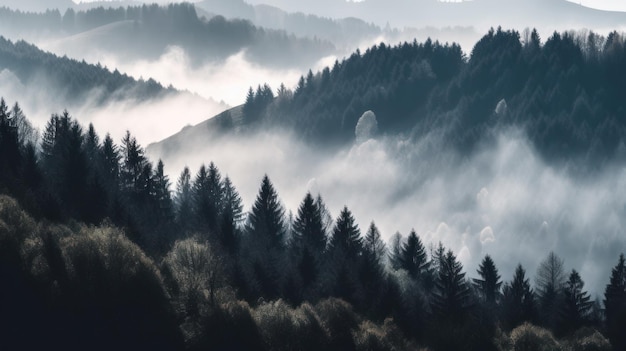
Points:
[(432, 195)]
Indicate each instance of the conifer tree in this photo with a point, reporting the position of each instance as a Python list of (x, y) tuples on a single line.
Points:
[(231, 217), (550, 280), (577, 304), (184, 201), (489, 283), (615, 305), (451, 298), (413, 257), (518, 302), (265, 234), (346, 238)]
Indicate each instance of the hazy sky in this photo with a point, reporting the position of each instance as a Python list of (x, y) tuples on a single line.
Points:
[(612, 5)]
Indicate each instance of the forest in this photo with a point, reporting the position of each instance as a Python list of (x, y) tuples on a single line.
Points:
[(99, 250), (74, 81), (566, 93), (146, 31)]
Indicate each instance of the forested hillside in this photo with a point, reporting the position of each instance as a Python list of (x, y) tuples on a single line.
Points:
[(97, 253), (70, 80), (145, 32), (566, 92)]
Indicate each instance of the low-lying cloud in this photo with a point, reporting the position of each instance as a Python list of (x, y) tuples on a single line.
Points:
[(149, 120), (504, 200)]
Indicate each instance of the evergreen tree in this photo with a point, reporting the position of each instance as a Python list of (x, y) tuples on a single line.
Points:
[(308, 242), (489, 283), (132, 167), (550, 281), (451, 298), (518, 302), (10, 155), (207, 196), (184, 201), (265, 231), (413, 257), (346, 237), (577, 304), (372, 273), (308, 232), (615, 305), (266, 220), (344, 252), (232, 216)]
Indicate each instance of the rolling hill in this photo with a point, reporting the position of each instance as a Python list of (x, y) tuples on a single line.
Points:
[(564, 92)]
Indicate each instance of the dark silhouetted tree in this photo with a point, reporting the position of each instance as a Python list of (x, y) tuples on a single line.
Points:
[(518, 302), (550, 280), (489, 283), (615, 305), (184, 202), (577, 304), (265, 235)]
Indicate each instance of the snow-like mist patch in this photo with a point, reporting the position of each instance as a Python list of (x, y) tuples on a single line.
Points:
[(503, 201)]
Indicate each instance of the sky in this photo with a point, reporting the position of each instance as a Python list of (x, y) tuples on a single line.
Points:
[(610, 5)]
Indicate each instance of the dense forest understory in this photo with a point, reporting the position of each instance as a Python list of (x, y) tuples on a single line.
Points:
[(97, 251)]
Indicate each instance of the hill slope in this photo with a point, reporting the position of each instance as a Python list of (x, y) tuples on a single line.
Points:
[(565, 93)]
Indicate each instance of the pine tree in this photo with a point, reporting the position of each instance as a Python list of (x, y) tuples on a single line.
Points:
[(265, 232), (344, 251), (163, 214), (577, 304), (207, 194), (231, 217), (132, 167), (550, 280), (346, 237), (489, 283), (413, 257), (518, 302), (266, 220), (615, 305), (308, 232), (372, 273), (451, 298), (184, 201)]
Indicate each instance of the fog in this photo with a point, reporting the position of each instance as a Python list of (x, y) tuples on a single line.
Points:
[(503, 200), (148, 121)]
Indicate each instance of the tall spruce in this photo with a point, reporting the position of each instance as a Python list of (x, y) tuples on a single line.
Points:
[(577, 304), (489, 283), (518, 301), (615, 305)]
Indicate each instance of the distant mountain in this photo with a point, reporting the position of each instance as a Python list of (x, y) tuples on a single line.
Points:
[(37, 5), (567, 94), (146, 32), (549, 14)]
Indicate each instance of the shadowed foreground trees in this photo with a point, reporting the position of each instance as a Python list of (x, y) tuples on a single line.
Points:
[(148, 270)]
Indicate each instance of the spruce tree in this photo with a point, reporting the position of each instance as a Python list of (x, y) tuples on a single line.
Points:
[(518, 302), (489, 283), (413, 257), (184, 201), (577, 304), (615, 305), (231, 217), (346, 238), (550, 280), (265, 234)]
